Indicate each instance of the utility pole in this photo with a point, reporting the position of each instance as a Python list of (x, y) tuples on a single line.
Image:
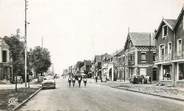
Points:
[(151, 73), (53, 69), (25, 43), (42, 42)]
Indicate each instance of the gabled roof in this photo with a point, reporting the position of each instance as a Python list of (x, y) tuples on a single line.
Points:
[(179, 17), (141, 38), (169, 22)]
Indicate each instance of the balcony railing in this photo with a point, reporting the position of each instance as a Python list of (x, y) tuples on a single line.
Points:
[(178, 56), (169, 57), (164, 58)]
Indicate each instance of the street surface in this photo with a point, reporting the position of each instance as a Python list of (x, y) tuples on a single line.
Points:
[(97, 98)]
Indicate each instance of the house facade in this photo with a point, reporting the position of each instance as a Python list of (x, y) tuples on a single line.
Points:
[(118, 64), (105, 67), (5, 63), (97, 64), (170, 50), (139, 55)]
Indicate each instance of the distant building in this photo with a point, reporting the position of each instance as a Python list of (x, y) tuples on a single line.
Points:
[(100, 67), (106, 63), (119, 65), (140, 51), (97, 65)]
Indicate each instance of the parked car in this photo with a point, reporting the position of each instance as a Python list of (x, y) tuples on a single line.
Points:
[(49, 82), (136, 79)]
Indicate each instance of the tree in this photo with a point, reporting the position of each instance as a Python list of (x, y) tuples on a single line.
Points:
[(40, 60), (16, 48)]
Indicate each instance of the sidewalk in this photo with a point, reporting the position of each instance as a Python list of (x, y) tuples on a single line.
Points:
[(176, 93)]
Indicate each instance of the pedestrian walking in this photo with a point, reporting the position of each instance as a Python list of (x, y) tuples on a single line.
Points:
[(69, 81), (79, 80), (73, 81), (85, 81)]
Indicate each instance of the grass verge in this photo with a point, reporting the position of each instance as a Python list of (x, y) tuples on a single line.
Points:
[(10, 98)]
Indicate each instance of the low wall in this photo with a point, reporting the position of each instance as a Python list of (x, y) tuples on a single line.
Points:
[(179, 83)]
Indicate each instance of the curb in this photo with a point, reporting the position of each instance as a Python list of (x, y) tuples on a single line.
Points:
[(26, 100), (162, 96)]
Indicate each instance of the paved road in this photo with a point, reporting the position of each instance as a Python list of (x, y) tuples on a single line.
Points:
[(97, 98)]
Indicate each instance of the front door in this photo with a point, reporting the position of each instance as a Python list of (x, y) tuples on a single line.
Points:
[(154, 74)]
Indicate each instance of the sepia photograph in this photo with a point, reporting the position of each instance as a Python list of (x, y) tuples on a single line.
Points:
[(91, 55)]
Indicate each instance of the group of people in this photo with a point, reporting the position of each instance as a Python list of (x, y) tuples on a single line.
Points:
[(72, 79)]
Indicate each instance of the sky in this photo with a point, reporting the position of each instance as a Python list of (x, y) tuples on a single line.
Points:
[(74, 30)]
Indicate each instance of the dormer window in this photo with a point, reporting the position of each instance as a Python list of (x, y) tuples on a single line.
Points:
[(164, 31)]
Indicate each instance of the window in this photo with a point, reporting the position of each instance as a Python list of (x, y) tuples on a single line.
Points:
[(143, 56), (162, 48), (154, 56), (169, 48), (130, 57), (4, 55), (164, 31), (179, 47), (162, 52)]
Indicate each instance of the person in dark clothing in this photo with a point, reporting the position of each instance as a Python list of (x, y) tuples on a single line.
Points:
[(85, 81), (79, 80), (96, 78), (150, 79), (69, 81), (73, 81)]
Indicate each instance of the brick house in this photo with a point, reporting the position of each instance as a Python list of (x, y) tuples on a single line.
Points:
[(170, 50), (139, 54), (5, 64)]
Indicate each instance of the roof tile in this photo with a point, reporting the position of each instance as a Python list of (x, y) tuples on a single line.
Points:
[(142, 38)]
